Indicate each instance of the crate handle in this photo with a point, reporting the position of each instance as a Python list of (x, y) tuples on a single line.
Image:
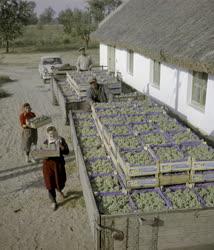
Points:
[(155, 222), (116, 234)]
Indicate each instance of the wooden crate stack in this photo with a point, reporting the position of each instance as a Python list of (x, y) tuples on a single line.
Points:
[(159, 174)]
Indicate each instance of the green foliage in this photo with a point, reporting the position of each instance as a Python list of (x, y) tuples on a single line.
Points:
[(101, 8), (149, 202), (77, 23), (183, 199), (113, 204), (47, 17), (14, 15)]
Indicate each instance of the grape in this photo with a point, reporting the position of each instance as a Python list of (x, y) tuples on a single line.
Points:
[(139, 158), (149, 201), (168, 154), (104, 184), (183, 199), (154, 139), (113, 204), (208, 195), (100, 166), (201, 152), (127, 142)]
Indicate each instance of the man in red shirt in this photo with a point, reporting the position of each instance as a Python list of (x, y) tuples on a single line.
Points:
[(29, 135)]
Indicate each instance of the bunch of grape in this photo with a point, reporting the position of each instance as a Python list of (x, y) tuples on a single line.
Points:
[(118, 130), (83, 131), (169, 124), (93, 152), (90, 141), (183, 198), (105, 184), (83, 115), (154, 139), (84, 123), (168, 154), (149, 202), (135, 118), (113, 204), (185, 136), (208, 195), (143, 127), (127, 142), (100, 166), (201, 152), (139, 158), (113, 120)]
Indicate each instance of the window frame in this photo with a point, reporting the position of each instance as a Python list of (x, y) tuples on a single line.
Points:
[(201, 78), (154, 83), (130, 62)]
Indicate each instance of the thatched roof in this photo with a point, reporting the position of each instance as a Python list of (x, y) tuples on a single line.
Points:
[(179, 32)]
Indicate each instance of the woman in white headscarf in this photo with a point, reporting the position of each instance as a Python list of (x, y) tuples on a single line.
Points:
[(54, 167)]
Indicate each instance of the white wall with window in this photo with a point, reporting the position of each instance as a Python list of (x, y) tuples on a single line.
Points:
[(175, 88)]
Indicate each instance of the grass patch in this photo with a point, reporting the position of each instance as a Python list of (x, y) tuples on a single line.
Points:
[(47, 38)]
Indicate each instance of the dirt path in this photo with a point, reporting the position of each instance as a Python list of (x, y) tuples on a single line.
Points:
[(26, 219)]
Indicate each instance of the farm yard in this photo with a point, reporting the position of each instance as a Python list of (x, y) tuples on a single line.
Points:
[(27, 220)]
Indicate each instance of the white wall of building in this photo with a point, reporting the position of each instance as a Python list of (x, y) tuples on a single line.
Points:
[(103, 55), (174, 91)]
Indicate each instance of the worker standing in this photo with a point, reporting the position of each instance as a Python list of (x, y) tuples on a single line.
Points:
[(84, 61)]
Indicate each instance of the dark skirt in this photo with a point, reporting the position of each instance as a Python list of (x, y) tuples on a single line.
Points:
[(29, 137), (54, 173)]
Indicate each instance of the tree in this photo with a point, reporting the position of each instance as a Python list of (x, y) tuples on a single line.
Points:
[(47, 16), (33, 19), (14, 14), (101, 8), (77, 23)]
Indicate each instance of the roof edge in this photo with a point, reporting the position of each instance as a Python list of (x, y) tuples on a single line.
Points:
[(163, 56)]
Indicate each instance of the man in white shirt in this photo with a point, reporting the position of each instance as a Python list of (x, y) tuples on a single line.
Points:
[(84, 62)]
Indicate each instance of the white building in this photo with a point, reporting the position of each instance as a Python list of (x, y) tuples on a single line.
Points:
[(165, 48)]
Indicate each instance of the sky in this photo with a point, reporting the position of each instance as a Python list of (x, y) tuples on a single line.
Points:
[(59, 5)]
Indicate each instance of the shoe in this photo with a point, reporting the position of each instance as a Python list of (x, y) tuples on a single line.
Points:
[(27, 159), (54, 206)]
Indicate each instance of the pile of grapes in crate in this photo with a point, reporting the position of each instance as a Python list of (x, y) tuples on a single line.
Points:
[(80, 81), (107, 185), (147, 143)]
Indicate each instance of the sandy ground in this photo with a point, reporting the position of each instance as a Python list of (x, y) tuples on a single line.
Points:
[(26, 218)]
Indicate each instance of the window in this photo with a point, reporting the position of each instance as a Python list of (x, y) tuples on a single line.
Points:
[(130, 62), (155, 73), (111, 59), (199, 89)]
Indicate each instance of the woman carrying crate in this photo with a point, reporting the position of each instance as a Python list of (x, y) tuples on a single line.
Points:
[(54, 167), (29, 135)]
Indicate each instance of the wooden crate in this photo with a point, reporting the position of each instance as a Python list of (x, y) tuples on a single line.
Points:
[(39, 121), (165, 180), (46, 152)]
